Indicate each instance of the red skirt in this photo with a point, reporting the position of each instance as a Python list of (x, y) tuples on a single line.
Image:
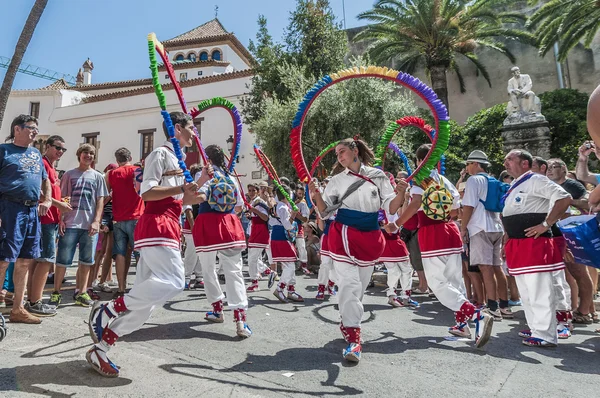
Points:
[(159, 225), (259, 236), (395, 249), (218, 231), (439, 239), (283, 251), (530, 256), (561, 244), (349, 245), (186, 228)]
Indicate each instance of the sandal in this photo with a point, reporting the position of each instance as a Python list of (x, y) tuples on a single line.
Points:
[(580, 318)]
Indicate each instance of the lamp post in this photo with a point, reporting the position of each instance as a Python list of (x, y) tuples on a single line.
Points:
[(229, 142)]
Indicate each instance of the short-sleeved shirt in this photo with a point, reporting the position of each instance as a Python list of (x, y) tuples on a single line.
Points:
[(21, 172), (128, 203), (84, 188), (53, 215), (575, 188), (481, 219)]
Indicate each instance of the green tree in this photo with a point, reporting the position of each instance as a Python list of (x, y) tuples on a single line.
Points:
[(26, 34), (434, 33), (567, 22)]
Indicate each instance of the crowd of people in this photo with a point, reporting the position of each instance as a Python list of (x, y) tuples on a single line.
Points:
[(480, 246)]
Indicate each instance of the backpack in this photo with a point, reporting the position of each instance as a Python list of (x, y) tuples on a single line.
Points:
[(496, 190), (223, 194), (437, 201)]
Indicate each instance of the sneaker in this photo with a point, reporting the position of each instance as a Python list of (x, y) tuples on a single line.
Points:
[(507, 313), (536, 342), (192, 284), (395, 302), (306, 271), (483, 328), (100, 362), (199, 284), (104, 287), (272, 278), (331, 290), (99, 319), (243, 330), (75, 294), (525, 333), (55, 299), (496, 314), (408, 302), (23, 316), (40, 309), (563, 332), (320, 295), (252, 288), (420, 291), (95, 296), (294, 296), (514, 303), (460, 330), (84, 300), (280, 295), (216, 317), (352, 352)]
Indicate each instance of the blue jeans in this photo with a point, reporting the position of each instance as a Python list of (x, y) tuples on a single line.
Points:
[(8, 284), (123, 236), (19, 232), (48, 243), (68, 243)]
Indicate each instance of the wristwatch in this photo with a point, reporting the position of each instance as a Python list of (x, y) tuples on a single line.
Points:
[(545, 224)]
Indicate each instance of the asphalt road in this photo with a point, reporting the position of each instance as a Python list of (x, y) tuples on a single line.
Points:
[(295, 352)]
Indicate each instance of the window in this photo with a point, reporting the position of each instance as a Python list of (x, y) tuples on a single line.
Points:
[(199, 73), (40, 142), (34, 109), (167, 77), (146, 142), (182, 76), (192, 57), (92, 139), (179, 57), (216, 55), (203, 56)]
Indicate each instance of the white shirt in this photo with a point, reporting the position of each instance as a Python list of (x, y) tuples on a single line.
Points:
[(158, 162), (368, 198), (284, 213), (303, 209), (481, 219), (536, 195), (260, 209), (417, 190)]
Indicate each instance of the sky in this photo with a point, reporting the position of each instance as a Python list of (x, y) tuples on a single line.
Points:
[(112, 33)]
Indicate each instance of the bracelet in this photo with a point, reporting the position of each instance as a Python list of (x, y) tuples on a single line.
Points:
[(182, 189)]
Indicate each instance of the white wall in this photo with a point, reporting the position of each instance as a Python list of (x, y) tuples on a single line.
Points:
[(19, 103)]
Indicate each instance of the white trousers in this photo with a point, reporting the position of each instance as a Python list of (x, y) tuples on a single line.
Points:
[(159, 277), (399, 271), (269, 255), (561, 290), (301, 246), (539, 301), (444, 277), (191, 261), (352, 283), (230, 261), (326, 271), (255, 263), (288, 273)]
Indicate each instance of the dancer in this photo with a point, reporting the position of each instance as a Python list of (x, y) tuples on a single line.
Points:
[(441, 247), (218, 230), (160, 270), (282, 250), (357, 191), (259, 236), (301, 218), (326, 277)]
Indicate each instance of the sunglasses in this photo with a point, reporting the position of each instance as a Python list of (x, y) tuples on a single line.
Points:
[(59, 148), (32, 128)]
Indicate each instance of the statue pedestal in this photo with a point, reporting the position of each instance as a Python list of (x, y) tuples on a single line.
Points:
[(533, 137)]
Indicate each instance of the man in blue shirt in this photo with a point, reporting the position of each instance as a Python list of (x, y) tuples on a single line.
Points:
[(22, 174)]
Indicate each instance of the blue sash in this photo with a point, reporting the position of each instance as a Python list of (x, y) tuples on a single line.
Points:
[(204, 207), (358, 219), (278, 233)]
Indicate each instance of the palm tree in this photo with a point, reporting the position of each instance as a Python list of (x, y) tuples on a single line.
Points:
[(434, 33), (567, 22), (32, 20)]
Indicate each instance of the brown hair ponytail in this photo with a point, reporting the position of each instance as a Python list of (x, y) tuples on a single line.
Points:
[(365, 154)]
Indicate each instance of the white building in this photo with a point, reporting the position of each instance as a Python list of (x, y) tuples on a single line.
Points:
[(208, 61)]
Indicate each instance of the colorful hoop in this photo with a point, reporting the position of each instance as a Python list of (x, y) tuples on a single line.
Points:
[(268, 166), (321, 155), (440, 114), (401, 155)]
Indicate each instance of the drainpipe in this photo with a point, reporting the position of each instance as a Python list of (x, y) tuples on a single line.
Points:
[(559, 72)]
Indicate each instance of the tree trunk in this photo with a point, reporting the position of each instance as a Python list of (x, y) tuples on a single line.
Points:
[(439, 83), (34, 17)]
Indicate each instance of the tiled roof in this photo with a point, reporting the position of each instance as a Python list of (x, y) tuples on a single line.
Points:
[(57, 85), (209, 29), (119, 84), (169, 86)]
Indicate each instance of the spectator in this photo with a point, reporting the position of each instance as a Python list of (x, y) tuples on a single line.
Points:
[(582, 171), (22, 173), (128, 207), (539, 165), (87, 191), (38, 273), (557, 172), (483, 230)]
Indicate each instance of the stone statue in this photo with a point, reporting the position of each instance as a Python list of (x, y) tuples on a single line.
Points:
[(524, 106)]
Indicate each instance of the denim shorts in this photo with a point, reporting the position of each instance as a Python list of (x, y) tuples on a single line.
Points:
[(123, 236), (68, 243), (48, 243), (19, 231)]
